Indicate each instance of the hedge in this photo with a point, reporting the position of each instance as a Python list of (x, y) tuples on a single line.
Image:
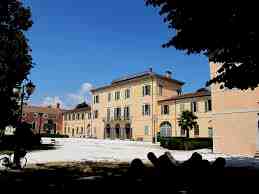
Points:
[(55, 135), (183, 143)]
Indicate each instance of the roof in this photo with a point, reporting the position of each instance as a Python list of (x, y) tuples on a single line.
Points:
[(127, 78), (41, 109), (196, 94), (78, 110)]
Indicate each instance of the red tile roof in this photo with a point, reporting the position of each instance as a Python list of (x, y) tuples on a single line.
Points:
[(188, 95)]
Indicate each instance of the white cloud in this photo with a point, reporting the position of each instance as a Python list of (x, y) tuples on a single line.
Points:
[(70, 100), (48, 100), (85, 88), (83, 94)]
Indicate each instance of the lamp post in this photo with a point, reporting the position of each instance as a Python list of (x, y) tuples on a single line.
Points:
[(24, 91)]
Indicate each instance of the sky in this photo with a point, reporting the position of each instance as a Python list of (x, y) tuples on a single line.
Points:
[(81, 44)]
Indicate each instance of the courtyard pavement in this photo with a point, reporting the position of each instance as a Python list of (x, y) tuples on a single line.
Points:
[(76, 149)]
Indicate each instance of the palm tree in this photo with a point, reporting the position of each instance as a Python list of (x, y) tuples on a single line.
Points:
[(187, 122)]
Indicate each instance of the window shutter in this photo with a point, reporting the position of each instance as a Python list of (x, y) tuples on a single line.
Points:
[(143, 90), (162, 109), (143, 109)]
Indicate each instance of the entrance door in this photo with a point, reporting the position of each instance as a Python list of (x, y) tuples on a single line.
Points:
[(166, 129), (117, 131), (128, 131)]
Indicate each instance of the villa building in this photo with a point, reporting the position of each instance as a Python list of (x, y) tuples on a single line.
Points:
[(235, 119), (44, 120), (77, 122), (198, 102), (139, 106)]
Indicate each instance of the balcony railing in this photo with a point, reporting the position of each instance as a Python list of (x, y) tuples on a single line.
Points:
[(106, 119)]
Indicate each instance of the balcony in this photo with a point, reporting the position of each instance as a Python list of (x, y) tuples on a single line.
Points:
[(113, 119)]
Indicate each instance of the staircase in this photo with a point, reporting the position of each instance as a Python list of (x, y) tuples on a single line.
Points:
[(257, 154)]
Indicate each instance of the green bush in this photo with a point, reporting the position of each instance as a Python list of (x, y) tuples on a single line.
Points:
[(158, 137), (55, 135), (183, 143)]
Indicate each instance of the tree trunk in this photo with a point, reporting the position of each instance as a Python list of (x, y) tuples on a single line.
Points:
[(187, 133)]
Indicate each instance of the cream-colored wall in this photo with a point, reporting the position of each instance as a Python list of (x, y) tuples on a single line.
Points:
[(74, 124), (135, 102), (204, 118), (234, 118)]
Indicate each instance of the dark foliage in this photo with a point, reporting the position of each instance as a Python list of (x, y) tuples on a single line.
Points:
[(82, 105), (15, 57), (55, 135), (225, 31), (183, 143)]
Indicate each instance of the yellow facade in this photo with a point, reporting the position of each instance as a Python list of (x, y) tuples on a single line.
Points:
[(140, 126), (176, 106), (235, 119), (77, 122)]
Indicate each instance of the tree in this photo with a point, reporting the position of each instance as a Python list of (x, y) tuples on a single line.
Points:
[(187, 122), (82, 105), (15, 57), (224, 31)]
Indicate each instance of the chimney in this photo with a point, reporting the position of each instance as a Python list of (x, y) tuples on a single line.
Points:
[(58, 105), (168, 74)]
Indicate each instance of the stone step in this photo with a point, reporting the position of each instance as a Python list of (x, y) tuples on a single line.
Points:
[(257, 154)]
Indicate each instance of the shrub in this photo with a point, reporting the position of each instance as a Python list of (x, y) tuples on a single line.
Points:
[(183, 143), (158, 137), (55, 135)]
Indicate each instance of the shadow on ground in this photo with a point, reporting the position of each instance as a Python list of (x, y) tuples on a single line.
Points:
[(86, 177)]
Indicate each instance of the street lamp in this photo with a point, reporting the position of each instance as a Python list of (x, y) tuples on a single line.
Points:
[(24, 91)]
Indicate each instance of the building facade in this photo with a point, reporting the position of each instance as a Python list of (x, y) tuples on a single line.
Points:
[(139, 106), (78, 122), (44, 120), (198, 102), (235, 119)]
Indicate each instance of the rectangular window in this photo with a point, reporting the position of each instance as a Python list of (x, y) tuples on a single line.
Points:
[(146, 130), (126, 113), (117, 95), (82, 116), (96, 99), (182, 132), (109, 97), (208, 106), (127, 93), (146, 90), (96, 114), (210, 132), (89, 115), (160, 90), (146, 109), (182, 107), (65, 130), (69, 117), (108, 114), (194, 106), (117, 113), (165, 109), (196, 131)]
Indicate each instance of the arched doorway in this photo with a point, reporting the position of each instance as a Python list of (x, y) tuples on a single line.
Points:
[(165, 129), (128, 131), (107, 131), (88, 131), (117, 131)]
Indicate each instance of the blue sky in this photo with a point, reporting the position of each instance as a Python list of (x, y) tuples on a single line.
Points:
[(84, 43)]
